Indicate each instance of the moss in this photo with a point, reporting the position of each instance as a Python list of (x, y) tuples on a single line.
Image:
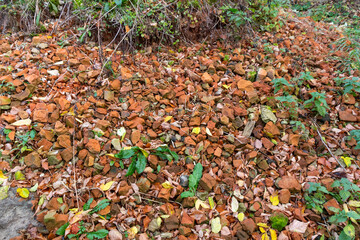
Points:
[(278, 221)]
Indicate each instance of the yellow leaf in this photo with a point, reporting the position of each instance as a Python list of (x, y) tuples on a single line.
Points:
[(19, 175), (263, 225), (166, 185), (353, 203), (211, 202), (274, 200), (2, 176), (215, 225), (347, 161), (265, 237), (199, 203), (273, 234), (167, 118), (106, 186), (196, 130), (146, 154), (158, 221), (226, 86), (262, 230), (74, 210), (23, 192), (132, 232), (241, 216)]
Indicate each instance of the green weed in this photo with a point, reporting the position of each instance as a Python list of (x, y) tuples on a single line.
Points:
[(194, 179)]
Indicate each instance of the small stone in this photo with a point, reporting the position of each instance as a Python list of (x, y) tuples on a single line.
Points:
[(294, 139), (245, 85), (271, 129), (261, 74), (290, 182), (187, 221), (135, 136), (207, 182), (284, 196), (184, 181), (32, 160), (4, 100), (172, 222), (267, 115), (249, 225), (115, 142), (207, 78), (40, 116), (93, 146), (239, 69), (143, 184), (109, 95), (347, 116)]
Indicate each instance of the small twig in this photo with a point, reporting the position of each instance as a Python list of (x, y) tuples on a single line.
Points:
[(73, 158), (157, 201), (327, 147)]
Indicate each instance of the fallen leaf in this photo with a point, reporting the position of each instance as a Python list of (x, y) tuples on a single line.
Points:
[(167, 118), (132, 232), (19, 176), (234, 204), (215, 225), (241, 216), (273, 234), (211, 202), (23, 122), (196, 130), (106, 186), (274, 199), (2, 176), (208, 132), (23, 192), (347, 161), (166, 185), (201, 203), (34, 188), (4, 192)]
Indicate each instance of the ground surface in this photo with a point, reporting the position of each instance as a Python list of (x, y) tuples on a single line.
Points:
[(211, 104)]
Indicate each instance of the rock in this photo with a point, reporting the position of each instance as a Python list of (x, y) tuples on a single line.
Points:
[(267, 115), (143, 184), (348, 99), (271, 129), (195, 121), (242, 235), (52, 220), (187, 221), (53, 72), (4, 100), (53, 204), (261, 74), (239, 69), (40, 116), (135, 136), (54, 158), (32, 160), (116, 84), (249, 225), (67, 154), (206, 78), (5, 47), (185, 231), (249, 127), (207, 182), (37, 40), (284, 196), (245, 85), (172, 222), (289, 182), (109, 95), (115, 235), (331, 203), (347, 116), (93, 146), (184, 181), (298, 227), (115, 142), (64, 141), (154, 225)]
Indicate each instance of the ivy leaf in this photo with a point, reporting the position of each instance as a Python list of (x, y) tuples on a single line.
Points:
[(102, 233), (61, 230)]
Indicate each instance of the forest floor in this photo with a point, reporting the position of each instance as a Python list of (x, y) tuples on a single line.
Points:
[(252, 125)]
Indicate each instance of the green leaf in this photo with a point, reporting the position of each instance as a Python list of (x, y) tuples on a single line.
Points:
[(61, 230), (19, 175), (192, 182), (349, 230), (87, 204), (32, 134), (126, 153), (100, 206), (140, 163), (131, 168), (353, 214), (198, 171), (186, 194), (102, 233)]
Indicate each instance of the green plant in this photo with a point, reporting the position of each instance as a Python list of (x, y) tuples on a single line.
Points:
[(138, 159), (350, 44), (348, 232), (351, 86), (303, 77), (356, 135), (280, 83), (236, 16), (346, 190), (318, 103), (278, 221), (165, 153), (194, 179), (315, 196), (289, 102), (299, 125)]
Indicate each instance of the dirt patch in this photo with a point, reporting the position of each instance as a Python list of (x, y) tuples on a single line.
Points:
[(16, 215)]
